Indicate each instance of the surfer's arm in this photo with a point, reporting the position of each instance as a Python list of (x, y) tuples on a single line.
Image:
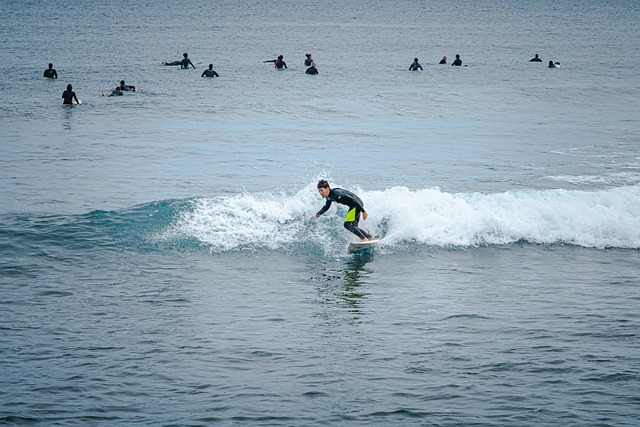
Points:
[(323, 210)]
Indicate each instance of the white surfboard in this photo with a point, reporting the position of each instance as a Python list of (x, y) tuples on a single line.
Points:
[(359, 246)]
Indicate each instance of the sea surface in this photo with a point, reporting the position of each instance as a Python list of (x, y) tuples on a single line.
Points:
[(157, 264)]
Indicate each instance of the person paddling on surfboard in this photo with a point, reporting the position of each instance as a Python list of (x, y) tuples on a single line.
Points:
[(344, 197)]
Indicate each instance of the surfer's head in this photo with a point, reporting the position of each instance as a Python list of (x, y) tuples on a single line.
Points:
[(323, 188), (69, 87), (185, 54)]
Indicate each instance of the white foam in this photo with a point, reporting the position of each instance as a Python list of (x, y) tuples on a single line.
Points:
[(600, 219)]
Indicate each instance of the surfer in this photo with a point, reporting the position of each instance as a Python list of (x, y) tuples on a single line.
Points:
[(443, 61), (50, 73), (116, 92), (344, 197), (184, 62), (210, 72), (535, 59), (457, 62), (69, 95), (308, 60), (278, 63), (312, 69), (553, 64), (415, 66), (126, 87)]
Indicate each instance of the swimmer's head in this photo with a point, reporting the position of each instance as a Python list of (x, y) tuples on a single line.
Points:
[(308, 55), (185, 54), (69, 87), (122, 82), (444, 57), (50, 65), (313, 64), (280, 57), (210, 66)]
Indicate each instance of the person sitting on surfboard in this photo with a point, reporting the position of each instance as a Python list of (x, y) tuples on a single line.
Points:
[(308, 60), (535, 59), (415, 66), (278, 63), (50, 73), (210, 72), (344, 197), (312, 69), (184, 62), (69, 95)]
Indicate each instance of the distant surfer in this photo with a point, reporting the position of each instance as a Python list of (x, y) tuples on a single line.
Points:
[(535, 59), (69, 95), (278, 63), (308, 60), (415, 66), (312, 69), (457, 62), (554, 64), (443, 61), (184, 62), (116, 92), (344, 197), (126, 87), (210, 72), (50, 73)]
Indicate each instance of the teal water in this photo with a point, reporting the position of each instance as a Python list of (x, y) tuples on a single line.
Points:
[(157, 263)]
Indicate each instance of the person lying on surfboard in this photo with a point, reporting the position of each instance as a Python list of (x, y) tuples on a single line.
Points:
[(344, 197), (183, 63)]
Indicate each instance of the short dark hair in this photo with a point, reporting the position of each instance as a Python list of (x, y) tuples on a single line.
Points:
[(323, 184)]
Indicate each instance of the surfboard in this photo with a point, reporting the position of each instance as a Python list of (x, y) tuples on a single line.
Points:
[(361, 246)]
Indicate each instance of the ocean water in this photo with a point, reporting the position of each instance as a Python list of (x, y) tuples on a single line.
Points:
[(158, 267)]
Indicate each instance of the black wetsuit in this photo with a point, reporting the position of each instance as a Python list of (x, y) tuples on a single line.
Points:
[(356, 207), (50, 73), (209, 73), (68, 96), (279, 63), (457, 62), (536, 59), (442, 61), (312, 70), (127, 88), (185, 63), (308, 62)]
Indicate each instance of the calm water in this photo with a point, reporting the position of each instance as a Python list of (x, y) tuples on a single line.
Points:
[(157, 263)]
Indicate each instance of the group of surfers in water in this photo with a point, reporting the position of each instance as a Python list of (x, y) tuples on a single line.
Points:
[(415, 65), (69, 95)]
